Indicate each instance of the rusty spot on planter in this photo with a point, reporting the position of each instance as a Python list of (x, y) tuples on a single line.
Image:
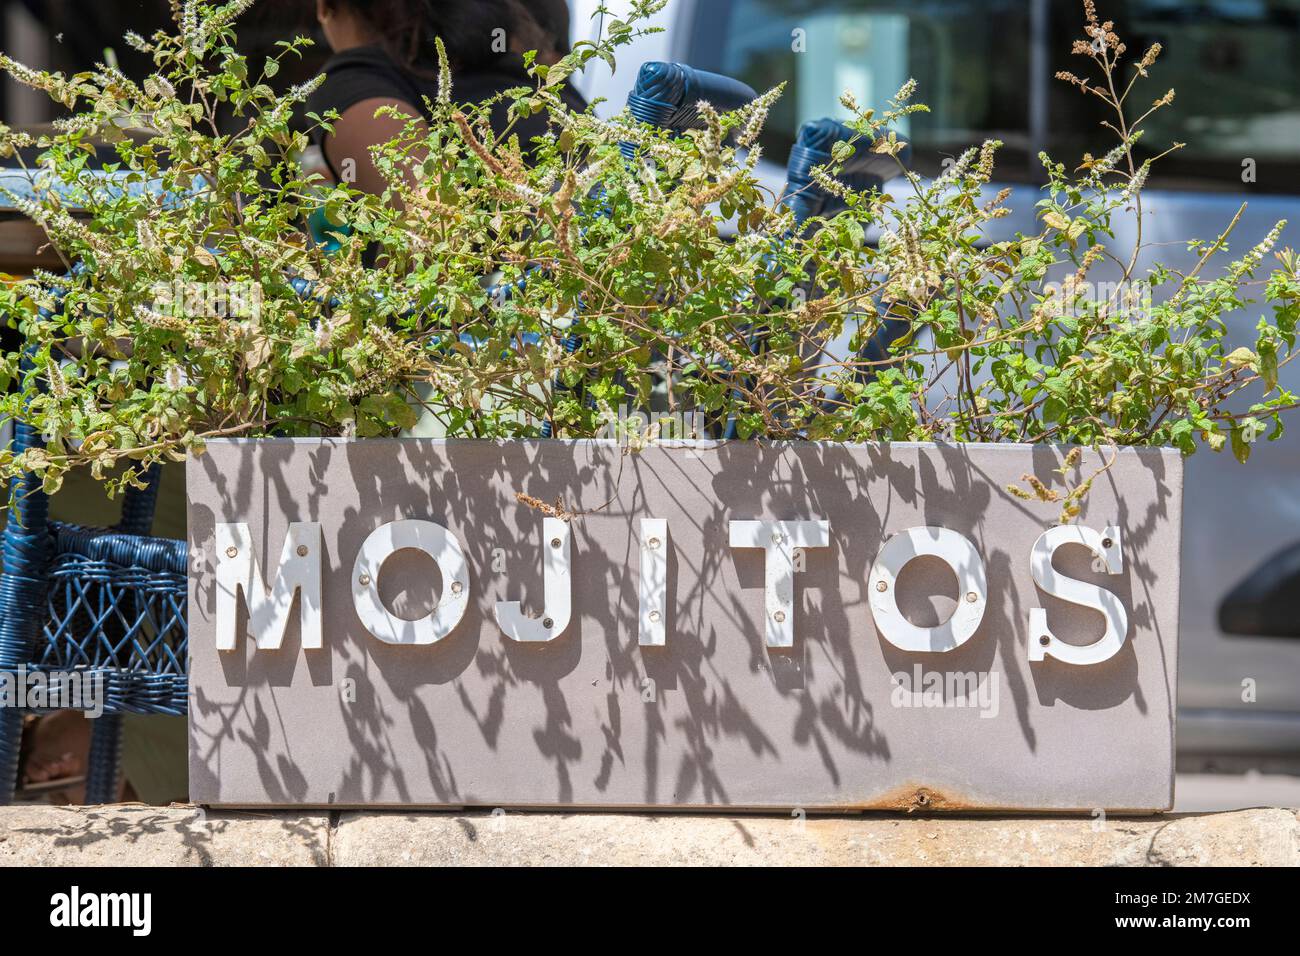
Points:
[(915, 798)]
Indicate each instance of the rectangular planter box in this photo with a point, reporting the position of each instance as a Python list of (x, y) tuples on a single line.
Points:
[(686, 566)]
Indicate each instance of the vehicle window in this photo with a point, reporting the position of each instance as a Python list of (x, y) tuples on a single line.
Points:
[(1234, 63), (872, 48)]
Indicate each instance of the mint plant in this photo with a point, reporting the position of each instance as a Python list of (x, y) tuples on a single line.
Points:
[(684, 283)]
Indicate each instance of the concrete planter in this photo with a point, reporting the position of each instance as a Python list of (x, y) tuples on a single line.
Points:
[(734, 625)]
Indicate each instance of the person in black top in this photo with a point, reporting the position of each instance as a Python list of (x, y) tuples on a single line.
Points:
[(384, 56)]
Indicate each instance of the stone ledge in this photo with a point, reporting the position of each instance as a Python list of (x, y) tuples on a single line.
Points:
[(135, 835), (1247, 837), (128, 835)]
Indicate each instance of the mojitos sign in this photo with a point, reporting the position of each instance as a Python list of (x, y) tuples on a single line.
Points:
[(420, 622)]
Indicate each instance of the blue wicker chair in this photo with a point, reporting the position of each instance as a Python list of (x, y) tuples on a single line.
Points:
[(106, 604), (109, 604)]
